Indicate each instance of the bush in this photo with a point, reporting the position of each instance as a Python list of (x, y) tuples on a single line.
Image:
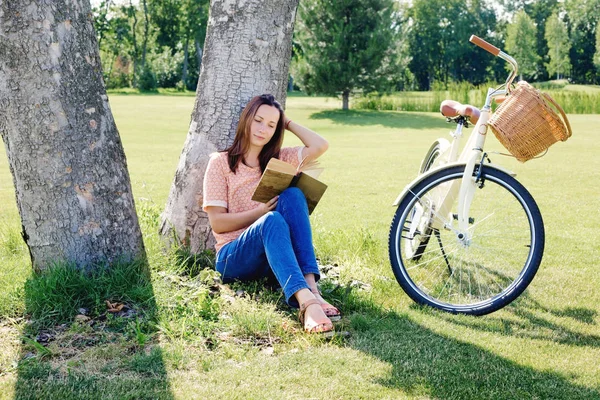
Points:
[(550, 85), (147, 81), (180, 86), (167, 67)]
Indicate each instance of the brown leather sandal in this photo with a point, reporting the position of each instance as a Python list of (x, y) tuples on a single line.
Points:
[(332, 312), (323, 328)]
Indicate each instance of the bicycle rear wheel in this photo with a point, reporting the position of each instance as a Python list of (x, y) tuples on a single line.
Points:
[(475, 276)]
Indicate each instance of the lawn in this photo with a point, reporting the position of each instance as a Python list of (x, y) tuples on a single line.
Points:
[(187, 337)]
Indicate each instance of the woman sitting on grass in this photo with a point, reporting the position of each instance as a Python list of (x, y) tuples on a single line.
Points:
[(256, 240)]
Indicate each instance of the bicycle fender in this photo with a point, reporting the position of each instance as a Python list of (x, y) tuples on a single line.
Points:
[(441, 168)]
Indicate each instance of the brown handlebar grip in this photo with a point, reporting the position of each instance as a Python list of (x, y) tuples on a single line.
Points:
[(484, 45)]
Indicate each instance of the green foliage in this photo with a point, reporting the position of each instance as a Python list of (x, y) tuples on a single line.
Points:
[(439, 41), (208, 341), (572, 101), (583, 18), (558, 46), (521, 44), (540, 12), (463, 92), (147, 80), (166, 65), (346, 46), (56, 295), (132, 39), (597, 54), (577, 102)]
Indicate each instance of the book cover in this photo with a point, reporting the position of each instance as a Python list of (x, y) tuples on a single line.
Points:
[(280, 175)]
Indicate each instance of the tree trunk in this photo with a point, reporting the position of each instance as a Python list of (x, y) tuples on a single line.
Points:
[(145, 42), (184, 72), (65, 155), (136, 52), (345, 99), (198, 52), (247, 52)]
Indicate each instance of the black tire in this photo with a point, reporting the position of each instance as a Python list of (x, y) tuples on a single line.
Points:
[(479, 275), (422, 232)]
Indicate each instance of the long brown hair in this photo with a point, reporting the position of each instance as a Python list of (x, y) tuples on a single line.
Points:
[(241, 143)]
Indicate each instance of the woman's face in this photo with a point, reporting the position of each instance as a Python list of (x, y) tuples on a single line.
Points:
[(263, 125)]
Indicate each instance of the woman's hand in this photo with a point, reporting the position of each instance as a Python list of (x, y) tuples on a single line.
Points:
[(268, 206), (314, 144), (222, 222)]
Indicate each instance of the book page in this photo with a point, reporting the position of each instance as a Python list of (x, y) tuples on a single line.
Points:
[(281, 166), (277, 177), (311, 168), (313, 172)]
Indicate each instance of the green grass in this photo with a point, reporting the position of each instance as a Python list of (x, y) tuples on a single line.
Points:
[(192, 338), (574, 99)]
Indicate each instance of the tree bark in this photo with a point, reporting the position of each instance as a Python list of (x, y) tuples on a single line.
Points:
[(184, 72), (198, 52), (246, 53), (65, 155), (345, 99), (136, 52), (145, 42)]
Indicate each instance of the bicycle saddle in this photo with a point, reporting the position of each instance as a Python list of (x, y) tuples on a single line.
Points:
[(452, 109)]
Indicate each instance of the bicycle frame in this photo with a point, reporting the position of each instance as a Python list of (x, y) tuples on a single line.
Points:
[(471, 155)]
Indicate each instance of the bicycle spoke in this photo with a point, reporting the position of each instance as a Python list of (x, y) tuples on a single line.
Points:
[(479, 269)]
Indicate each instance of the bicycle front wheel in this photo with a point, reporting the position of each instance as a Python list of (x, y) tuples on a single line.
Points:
[(474, 272), (420, 232)]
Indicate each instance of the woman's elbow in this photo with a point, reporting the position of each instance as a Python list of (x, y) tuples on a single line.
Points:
[(323, 146)]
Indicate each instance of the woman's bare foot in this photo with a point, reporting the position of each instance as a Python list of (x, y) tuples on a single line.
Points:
[(330, 311), (313, 318)]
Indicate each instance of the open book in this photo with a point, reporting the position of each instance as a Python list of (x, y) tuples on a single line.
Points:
[(280, 175)]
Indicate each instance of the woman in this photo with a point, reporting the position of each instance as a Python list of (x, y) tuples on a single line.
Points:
[(256, 240)]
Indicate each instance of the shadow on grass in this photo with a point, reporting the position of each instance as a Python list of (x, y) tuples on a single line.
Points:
[(530, 322), (91, 336), (385, 119), (428, 364)]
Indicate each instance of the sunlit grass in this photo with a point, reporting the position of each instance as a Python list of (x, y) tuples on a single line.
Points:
[(240, 341)]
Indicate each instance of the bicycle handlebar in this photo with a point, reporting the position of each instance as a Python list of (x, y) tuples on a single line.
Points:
[(484, 45), (497, 52)]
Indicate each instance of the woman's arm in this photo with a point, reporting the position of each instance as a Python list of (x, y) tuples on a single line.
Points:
[(315, 145), (222, 222)]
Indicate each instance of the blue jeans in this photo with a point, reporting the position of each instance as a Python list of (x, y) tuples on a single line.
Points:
[(279, 243)]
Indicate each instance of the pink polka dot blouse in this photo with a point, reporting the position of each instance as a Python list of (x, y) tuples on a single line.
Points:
[(223, 188)]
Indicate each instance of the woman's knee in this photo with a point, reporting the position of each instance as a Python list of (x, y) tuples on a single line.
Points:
[(274, 219), (292, 195)]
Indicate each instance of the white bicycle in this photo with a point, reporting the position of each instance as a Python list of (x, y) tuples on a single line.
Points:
[(466, 237)]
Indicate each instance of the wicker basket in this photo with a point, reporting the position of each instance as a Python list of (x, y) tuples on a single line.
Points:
[(526, 123)]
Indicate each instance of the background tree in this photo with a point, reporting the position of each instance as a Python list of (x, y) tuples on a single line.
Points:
[(114, 36), (597, 54), (521, 44), (583, 22), (151, 43), (166, 16), (65, 155), (247, 52), (439, 41), (559, 45), (193, 32), (540, 11), (346, 46)]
